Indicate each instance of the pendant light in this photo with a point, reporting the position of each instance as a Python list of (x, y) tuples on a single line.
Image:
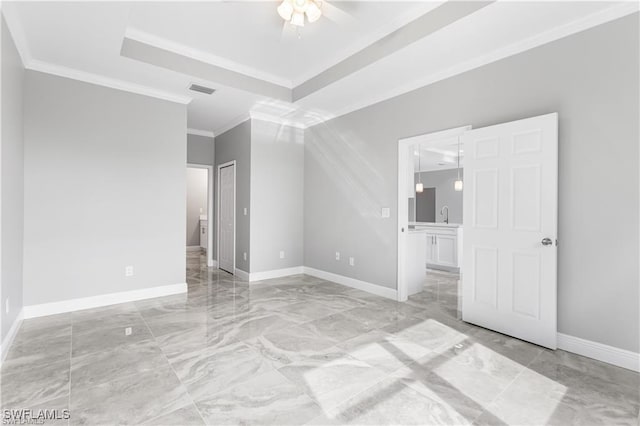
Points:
[(419, 185), (457, 185)]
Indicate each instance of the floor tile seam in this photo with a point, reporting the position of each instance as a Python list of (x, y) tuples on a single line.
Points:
[(504, 390), (383, 377), (184, 387)]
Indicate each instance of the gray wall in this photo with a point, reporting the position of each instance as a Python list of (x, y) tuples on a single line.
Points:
[(277, 183), (235, 144), (197, 181), (12, 182), (426, 205), (200, 150), (105, 188), (442, 181), (591, 80)]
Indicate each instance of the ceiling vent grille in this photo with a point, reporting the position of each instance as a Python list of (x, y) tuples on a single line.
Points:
[(201, 89)]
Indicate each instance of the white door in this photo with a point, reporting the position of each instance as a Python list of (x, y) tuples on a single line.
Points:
[(510, 228), (227, 219)]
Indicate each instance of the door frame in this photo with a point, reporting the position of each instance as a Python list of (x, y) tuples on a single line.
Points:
[(220, 167), (209, 168), (403, 196)]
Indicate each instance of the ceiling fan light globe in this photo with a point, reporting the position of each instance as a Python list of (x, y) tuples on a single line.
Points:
[(285, 10), (297, 19), (313, 12), (300, 5)]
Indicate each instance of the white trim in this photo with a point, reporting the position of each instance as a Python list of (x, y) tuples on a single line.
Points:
[(219, 168), (379, 33), (389, 293), (193, 248), (198, 132), (200, 55), (8, 340), (212, 264), (209, 169), (590, 21), (233, 123), (276, 273), (255, 115), (87, 77), (244, 276), (18, 34), (71, 305), (605, 353)]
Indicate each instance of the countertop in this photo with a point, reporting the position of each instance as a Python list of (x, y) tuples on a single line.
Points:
[(435, 224)]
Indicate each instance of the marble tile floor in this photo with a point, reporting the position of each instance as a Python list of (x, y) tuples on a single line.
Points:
[(301, 350)]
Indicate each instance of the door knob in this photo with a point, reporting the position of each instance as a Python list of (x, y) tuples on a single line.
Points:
[(546, 241)]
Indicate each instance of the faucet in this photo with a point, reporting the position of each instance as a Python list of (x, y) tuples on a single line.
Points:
[(442, 210)]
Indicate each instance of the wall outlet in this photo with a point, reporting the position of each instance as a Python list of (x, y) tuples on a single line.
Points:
[(6, 305), (386, 212), (244, 255), (337, 255), (281, 255), (128, 271), (352, 261), (127, 331)]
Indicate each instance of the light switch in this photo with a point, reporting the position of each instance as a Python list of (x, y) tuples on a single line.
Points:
[(245, 211), (386, 212)]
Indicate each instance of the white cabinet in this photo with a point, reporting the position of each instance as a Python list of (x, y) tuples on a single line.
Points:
[(204, 234), (444, 246)]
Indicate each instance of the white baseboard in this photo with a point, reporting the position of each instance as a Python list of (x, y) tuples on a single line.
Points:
[(213, 264), (244, 276), (276, 273), (605, 353), (71, 305), (389, 293), (194, 248), (8, 340)]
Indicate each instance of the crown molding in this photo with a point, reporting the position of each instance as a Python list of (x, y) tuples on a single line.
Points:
[(233, 123), (366, 41), (30, 63), (100, 80), (277, 120), (198, 132), (590, 21), (199, 55)]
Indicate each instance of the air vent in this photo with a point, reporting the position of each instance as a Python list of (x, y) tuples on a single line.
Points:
[(201, 89)]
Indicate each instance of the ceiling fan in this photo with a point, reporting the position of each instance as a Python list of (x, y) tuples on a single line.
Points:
[(294, 12)]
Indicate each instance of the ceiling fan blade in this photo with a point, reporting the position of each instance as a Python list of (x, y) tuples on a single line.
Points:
[(337, 15), (288, 32)]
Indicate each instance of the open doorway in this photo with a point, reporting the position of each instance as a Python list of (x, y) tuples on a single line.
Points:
[(430, 208), (199, 235)]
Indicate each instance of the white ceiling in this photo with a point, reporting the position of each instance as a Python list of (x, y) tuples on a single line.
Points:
[(438, 155), (83, 40)]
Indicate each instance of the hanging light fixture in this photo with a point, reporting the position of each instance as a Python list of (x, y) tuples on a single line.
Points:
[(295, 10), (419, 185), (457, 185)]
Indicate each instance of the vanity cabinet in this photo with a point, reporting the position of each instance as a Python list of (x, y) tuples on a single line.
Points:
[(444, 246)]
